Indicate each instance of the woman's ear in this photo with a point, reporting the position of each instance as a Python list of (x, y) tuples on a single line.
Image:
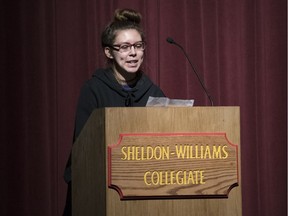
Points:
[(108, 53)]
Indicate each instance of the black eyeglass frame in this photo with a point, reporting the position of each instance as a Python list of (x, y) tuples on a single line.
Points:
[(117, 47)]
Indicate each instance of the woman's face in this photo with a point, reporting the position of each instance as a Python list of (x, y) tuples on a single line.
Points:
[(126, 59)]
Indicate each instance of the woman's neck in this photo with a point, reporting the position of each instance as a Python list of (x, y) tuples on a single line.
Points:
[(125, 78)]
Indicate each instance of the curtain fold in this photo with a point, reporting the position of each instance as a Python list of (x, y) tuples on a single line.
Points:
[(49, 48)]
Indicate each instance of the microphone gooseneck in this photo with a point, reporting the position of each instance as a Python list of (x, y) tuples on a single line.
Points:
[(171, 41)]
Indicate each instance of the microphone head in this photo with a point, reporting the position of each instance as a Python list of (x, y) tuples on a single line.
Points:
[(170, 40)]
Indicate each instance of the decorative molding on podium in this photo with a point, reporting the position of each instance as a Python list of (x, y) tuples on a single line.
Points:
[(173, 165)]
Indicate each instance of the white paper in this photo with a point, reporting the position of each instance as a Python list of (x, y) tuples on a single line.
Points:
[(165, 102)]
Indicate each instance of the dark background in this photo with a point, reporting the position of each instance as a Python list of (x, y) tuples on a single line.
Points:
[(48, 48)]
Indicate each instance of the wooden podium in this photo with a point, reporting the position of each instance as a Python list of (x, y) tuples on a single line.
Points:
[(93, 186)]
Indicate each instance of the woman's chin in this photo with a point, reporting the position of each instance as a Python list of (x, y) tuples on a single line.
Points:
[(132, 69)]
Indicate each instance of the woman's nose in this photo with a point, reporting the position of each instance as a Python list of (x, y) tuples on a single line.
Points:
[(132, 50)]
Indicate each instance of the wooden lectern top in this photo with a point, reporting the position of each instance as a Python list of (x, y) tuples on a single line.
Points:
[(97, 163)]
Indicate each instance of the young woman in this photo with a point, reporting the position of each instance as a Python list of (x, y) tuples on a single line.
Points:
[(122, 83)]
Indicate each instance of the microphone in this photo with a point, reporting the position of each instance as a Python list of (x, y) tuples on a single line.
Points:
[(171, 41)]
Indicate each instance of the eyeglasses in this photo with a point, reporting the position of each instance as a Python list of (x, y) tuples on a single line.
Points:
[(126, 47)]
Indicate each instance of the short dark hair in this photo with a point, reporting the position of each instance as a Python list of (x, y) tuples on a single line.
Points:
[(123, 19)]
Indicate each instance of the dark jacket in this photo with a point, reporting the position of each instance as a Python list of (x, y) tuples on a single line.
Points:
[(103, 90)]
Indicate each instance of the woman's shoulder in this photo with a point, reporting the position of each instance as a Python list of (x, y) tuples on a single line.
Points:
[(99, 75)]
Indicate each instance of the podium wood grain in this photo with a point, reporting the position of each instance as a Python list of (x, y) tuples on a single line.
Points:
[(90, 193)]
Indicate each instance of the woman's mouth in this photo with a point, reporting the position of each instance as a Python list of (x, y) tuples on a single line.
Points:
[(132, 63)]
